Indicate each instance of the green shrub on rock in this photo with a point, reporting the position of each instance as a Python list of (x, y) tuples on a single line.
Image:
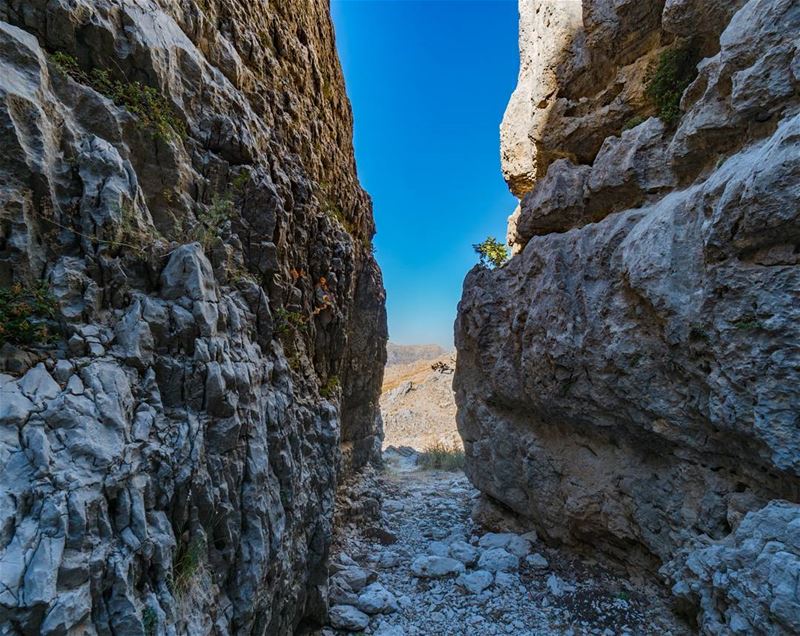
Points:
[(27, 315), (491, 252), (153, 110), (668, 78)]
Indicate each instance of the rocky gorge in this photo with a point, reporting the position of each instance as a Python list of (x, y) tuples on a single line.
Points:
[(193, 335), (629, 381), (193, 321)]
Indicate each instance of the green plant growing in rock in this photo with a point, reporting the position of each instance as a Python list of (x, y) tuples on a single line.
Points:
[(491, 252), (441, 456), (747, 324), (331, 387), (27, 316), (152, 109), (187, 563), (129, 233), (333, 209), (149, 621), (285, 320), (667, 79), (210, 222), (633, 122)]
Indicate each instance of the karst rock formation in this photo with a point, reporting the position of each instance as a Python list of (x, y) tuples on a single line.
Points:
[(629, 382), (177, 183)]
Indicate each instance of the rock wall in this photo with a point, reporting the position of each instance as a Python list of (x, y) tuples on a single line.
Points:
[(630, 379), (179, 207)]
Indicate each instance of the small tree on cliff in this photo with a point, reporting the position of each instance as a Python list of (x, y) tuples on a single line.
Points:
[(492, 253)]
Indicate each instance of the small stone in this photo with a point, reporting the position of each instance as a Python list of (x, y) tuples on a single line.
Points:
[(76, 345), (376, 599), (434, 567), (537, 561), (384, 629), (518, 546), (393, 505), (38, 385), (558, 587), (341, 594), (504, 579), (355, 577), (498, 560), (464, 552), (14, 407), (495, 540), (62, 370), (75, 385), (530, 536), (96, 349), (387, 560), (438, 548), (348, 617), (475, 582)]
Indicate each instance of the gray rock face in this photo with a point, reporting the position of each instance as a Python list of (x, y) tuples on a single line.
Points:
[(181, 177), (756, 567), (630, 379)]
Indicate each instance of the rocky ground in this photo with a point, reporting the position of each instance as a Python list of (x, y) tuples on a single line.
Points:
[(426, 568)]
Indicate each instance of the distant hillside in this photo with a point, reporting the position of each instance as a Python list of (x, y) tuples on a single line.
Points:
[(403, 354), (418, 405)]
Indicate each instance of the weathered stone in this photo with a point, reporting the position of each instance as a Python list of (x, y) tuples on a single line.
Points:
[(175, 471), (376, 599), (757, 565), (355, 578), (476, 581), (434, 567), (625, 382), (349, 618), (498, 560), (464, 552), (537, 561)]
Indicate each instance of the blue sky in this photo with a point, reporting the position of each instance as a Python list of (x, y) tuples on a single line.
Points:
[(429, 81)]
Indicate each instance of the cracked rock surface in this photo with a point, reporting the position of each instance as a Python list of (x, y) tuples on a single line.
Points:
[(629, 381), (180, 176)]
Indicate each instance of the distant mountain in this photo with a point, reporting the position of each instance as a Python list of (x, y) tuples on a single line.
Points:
[(403, 354)]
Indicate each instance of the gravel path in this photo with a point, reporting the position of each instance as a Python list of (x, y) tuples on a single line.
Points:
[(427, 570)]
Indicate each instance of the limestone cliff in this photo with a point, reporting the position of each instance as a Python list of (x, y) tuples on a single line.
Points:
[(194, 328), (630, 380)]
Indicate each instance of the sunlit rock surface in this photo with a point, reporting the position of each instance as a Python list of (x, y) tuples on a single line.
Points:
[(170, 461), (630, 380)]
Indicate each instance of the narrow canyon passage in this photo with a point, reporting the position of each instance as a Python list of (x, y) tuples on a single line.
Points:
[(423, 566), (197, 436)]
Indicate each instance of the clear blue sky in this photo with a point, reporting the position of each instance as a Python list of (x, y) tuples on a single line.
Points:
[(429, 81)]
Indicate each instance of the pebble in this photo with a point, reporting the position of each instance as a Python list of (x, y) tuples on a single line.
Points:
[(537, 562), (439, 548)]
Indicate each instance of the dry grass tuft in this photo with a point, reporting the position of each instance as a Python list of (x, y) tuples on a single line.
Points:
[(440, 456)]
